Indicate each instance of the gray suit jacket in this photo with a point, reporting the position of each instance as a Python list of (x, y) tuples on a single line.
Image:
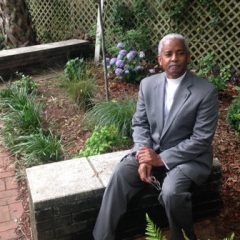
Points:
[(185, 138)]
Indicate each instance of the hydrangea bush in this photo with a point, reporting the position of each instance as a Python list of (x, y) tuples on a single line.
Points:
[(128, 65)]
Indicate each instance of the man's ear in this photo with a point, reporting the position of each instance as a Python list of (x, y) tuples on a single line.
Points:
[(159, 60)]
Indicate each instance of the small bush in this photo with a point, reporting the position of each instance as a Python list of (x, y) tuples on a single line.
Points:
[(208, 69), (116, 112), (102, 140), (75, 70), (25, 83), (233, 115)]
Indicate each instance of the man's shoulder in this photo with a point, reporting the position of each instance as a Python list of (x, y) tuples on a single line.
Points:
[(154, 78), (198, 81)]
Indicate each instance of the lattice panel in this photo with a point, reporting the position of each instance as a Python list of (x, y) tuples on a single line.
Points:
[(57, 20)]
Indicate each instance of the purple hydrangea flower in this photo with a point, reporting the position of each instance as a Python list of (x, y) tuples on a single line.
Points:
[(120, 45), (119, 63), (141, 54), (123, 52), (112, 61), (126, 71), (152, 70), (118, 71), (131, 55)]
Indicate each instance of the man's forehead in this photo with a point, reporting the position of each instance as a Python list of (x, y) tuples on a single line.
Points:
[(173, 43)]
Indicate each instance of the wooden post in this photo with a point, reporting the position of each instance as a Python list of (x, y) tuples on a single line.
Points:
[(98, 33), (100, 6)]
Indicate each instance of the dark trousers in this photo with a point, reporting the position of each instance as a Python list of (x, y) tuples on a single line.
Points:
[(125, 183)]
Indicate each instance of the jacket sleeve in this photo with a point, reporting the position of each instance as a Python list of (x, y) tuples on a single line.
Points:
[(202, 135)]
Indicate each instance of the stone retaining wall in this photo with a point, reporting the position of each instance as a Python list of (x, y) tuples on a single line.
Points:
[(66, 196), (17, 59)]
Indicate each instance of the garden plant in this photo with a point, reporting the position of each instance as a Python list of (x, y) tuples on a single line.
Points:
[(22, 130)]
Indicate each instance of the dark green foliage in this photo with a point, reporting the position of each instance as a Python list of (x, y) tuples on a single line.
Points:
[(233, 115), (130, 27), (116, 112), (123, 16), (207, 69)]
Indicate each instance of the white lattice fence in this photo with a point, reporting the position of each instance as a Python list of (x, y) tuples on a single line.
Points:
[(57, 20)]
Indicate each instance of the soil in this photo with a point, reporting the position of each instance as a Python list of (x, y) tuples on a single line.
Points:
[(65, 119)]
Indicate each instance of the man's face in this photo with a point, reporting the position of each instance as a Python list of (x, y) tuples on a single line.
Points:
[(173, 58)]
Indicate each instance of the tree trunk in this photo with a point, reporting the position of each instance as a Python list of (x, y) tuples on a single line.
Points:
[(15, 23)]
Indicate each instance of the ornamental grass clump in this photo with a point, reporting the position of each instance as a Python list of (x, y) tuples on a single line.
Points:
[(79, 83), (116, 112), (128, 65), (39, 148)]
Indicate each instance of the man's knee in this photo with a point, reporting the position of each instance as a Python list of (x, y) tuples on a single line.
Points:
[(126, 169)]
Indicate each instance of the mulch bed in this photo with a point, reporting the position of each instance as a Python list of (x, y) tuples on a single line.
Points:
[(65, 119)]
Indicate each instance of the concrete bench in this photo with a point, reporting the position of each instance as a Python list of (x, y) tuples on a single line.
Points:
[(65, 198), (15, 59)]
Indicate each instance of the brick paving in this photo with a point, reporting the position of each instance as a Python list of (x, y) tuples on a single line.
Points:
[(11, 208)]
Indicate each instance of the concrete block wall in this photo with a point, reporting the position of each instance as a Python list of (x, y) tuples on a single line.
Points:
[(66, 196)]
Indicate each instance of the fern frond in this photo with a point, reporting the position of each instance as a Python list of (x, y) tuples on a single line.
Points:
[(232, 237), (152, 231)]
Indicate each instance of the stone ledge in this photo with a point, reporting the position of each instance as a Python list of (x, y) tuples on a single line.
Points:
[(65, 198), (17, 59)]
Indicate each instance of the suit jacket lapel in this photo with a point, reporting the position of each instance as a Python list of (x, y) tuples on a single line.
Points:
[(160, 96), (181, 96)]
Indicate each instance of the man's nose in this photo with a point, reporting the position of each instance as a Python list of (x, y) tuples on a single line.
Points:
[(174, 57)]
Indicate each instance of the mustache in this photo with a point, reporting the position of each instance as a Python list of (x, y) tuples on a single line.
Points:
[(174, 65)]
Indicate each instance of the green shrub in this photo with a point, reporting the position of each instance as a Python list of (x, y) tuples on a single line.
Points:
[(116, 112), (75, 70), (39, 148), (25, 83), (206, 66), (103, 139), (233, 115)]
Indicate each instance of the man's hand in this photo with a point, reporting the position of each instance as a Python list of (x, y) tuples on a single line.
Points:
[(149, 156), (144, 171)]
